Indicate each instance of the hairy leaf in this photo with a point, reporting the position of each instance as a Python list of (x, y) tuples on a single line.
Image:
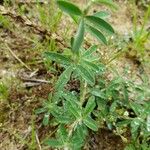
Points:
[(89, 51), (46, 119), (97, 34), (100, 24), (91, 66), (86, 74), (89, 106), (90, 123), (135, 124), (64, 78), (73, 106), (98, 93), (79, 37), (75, 110), (58, 58)]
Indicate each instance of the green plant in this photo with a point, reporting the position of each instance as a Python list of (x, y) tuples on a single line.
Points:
[(97, 102), (50, 9), (73, 111), (140, 36)]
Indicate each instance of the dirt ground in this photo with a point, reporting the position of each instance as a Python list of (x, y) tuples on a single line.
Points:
[(28, 82)]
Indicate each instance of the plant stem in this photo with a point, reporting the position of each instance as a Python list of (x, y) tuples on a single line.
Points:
[(83, 91)]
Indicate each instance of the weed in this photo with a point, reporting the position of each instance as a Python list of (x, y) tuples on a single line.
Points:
[(4, 22), (140, 37), (98, 102), (3, 92)]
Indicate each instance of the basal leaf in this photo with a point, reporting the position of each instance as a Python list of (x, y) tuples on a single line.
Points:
[(69, 8), (58, 58), (90, 123), (86, 74), (64, 78), (89, 106), (79, 37), (97, 34), (100, 24)]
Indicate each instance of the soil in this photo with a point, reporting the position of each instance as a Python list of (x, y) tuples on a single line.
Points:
[(25, 96)]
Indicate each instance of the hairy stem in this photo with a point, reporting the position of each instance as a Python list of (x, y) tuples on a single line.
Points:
[(83, 91)]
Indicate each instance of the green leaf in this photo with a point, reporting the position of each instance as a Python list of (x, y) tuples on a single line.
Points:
[(40, 110), (100, 24), (69, 8), (89, 106), (89, 51), (64, 78), (123, 123), (98, 93), (58, 58), (54, 143), (148, 123), (102, 14), (62, 133), (97, 34), (90, 123), (91, 66), (113, 106), (79, 136), (79, 37), (74, 109), (46, 119), (137, 108), (130, 147), (109, 3), (135, 124), (81, 132), (73, 105), (86, 75), (63, 119), (75, 18)]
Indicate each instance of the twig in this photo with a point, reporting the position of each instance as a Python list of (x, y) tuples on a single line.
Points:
[(15, 56), (38, 142), (36, 80)]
